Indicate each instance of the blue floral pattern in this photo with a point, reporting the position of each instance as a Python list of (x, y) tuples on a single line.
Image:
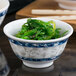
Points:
[(4, 71), (38, 45), (37, 60), (3, 13)]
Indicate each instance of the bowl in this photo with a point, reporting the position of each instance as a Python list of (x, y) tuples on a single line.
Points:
[(4, 68), (4, 4), (67, 4), (37, 53)]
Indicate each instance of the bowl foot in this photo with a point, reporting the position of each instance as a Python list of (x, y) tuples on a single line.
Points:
[(37, 65)]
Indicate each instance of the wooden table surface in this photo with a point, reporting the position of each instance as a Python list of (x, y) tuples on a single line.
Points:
[(64, 66), (41, 4)]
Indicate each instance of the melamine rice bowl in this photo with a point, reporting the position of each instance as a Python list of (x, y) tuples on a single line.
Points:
[(4, 4), (67, 4), (37, 53)]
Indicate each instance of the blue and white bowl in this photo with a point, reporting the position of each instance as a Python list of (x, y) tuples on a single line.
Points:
[(67, 4), (4, 68), (4, 4), (37, 53)]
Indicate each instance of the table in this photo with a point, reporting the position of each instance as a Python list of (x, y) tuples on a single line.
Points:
[(41, 4), (64, 66)]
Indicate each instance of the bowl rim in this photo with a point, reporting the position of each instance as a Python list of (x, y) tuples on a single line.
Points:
[(65, 1), (38, 41), (5, 7)]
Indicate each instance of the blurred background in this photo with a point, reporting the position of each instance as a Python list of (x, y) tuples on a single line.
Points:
[(66, 64), (18, 4)]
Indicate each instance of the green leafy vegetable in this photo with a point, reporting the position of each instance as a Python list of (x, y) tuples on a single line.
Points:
[(39, 30)]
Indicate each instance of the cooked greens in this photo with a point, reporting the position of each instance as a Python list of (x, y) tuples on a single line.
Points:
[(39, 30)]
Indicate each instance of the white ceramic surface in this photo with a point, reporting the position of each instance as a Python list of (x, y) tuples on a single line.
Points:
[(4, 4), (37, 53), (4, 69), (67, 4)]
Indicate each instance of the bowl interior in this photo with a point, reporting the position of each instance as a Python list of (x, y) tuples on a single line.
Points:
[(3, 4), (12, 28)]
